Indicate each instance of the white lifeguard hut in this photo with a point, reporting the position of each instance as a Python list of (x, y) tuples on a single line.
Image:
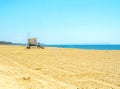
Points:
[(33, 42)]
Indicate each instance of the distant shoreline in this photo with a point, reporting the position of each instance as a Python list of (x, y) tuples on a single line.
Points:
[(82, 47)]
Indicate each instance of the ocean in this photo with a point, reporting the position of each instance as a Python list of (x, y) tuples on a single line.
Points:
[(89, 47)]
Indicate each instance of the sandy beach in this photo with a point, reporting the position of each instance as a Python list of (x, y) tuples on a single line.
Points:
[(58, 68)]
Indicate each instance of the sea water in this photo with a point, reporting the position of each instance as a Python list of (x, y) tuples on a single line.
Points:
[(93, 47)]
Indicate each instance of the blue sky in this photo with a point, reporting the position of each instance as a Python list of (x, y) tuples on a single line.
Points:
[(61, 21)]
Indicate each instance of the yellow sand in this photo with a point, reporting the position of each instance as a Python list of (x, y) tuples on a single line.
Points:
[(58, 68)]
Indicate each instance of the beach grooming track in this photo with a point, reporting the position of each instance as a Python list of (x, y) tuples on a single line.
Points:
[(58, 68)]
